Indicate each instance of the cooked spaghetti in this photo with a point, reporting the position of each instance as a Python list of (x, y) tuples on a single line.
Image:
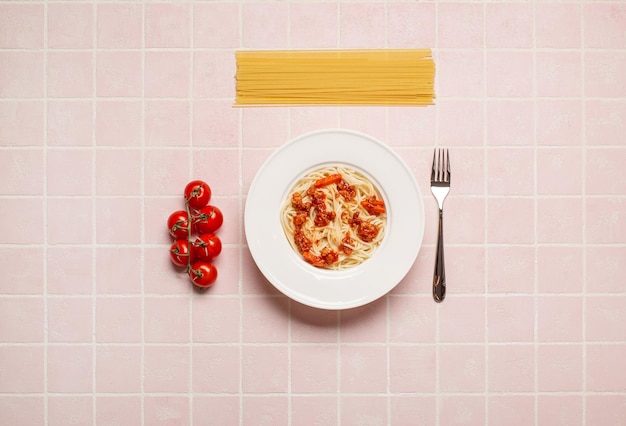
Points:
[(335, 77), (334, 217)]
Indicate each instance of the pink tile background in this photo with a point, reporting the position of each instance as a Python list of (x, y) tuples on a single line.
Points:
[(107, 109)]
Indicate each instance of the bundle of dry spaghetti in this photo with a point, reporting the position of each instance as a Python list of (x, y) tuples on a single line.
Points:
[(335, 77)]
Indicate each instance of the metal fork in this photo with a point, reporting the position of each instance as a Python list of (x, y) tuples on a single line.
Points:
[(440, 187)]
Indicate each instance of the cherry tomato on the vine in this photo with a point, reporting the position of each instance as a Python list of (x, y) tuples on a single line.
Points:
[(197, 194), (208, 219), (207, 246), (180, 253), (203, 273), (178, 224)]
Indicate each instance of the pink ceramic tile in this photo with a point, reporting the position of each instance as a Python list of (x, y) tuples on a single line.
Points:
[(215, 123), (559, 269), (69, 270), (125, 277), (63, 410), (604, 25), (70, 369), (22, 74), (216, 25), (604, 318), (365, 323), (509, 73), (167, 123), (560, 171), (559, 368), (273, 377), (410, 25), (265, 319), (166, 368), (470, 82), (371, 120), (251, 163), (362, 368), (21, 410), (461, 368), (255, 131), (559, 74), (605, 74), (272, 410), (511, 368), (167, 74), (509, 25), (359, 409), (512, 410), (166, 320), (70, 26), (118, 221), (460, 213), (213, 74), (511, 269), (601, 374), (559, 220), (557, 25), (253, 282), (460, 25), (118, 409), (510, 171), (461, 410), (118, 369), (604, 409), (510, 122), (313, 25), (312, 410), (70, 319), (604, 171), (410, 127), (511, 220), (465, 267), (462, 320), (412, 369), (118, 74), (21, 26), (118, 319), (412, 318), (162, 277), (70, 74), (166, 172), (21, 320), (314, 369), (214, 322), (312, 325), (156, 212), (361, 25), (166, 410), (559, 122), (219, 168), (469, 171), (23, 368), (453, 112), (216, 369), (265, 26), (21, 123), (604, 123), (421, 409), (21, 170), (17, 276), (604, 264), (69, 172), (510, 319), (563, 409), (222, 409), (119, 25), (70, 123), (70, 221), (559, 319), (167, 25), (23, 221), (118, 123), (605, 220), (111, 179)]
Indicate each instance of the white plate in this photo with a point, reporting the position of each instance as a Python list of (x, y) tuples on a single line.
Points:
[(285, 268)]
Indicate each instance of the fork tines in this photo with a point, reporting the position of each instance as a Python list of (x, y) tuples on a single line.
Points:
[(441, 166)]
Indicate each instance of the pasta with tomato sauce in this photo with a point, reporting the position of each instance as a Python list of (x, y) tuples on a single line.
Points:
[(334, 217)]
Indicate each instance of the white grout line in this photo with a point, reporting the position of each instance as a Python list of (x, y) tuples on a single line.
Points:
[(46, 408), (143, 210)]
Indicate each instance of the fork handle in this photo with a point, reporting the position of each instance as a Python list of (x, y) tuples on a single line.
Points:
[(439, 278)]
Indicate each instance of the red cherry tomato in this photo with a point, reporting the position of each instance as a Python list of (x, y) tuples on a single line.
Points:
[(180, 252), (208, 219), (178, 224), (197, 194), (207, 247), (203, 273)]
